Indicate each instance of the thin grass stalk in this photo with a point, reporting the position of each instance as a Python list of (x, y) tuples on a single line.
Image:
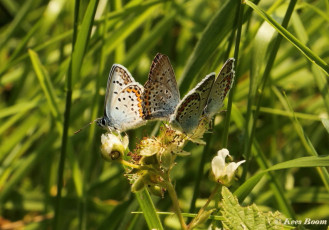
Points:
[(199, 175), (278, 192), (56, 223), (120, 49), (20, 16), (25, 55), (314, 58), (207, 148), (208, 139), (263, 84), (323, 172), (20, 48), (238, 23), (87, 164), (265, 78), (263, 164)]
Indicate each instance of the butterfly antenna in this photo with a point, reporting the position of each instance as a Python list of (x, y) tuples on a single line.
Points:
[(79, 130)]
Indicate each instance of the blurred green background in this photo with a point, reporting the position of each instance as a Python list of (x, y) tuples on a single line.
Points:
[(36, 42)]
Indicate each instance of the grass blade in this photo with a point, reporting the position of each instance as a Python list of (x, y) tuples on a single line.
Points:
[(47, 87), (303, 162), (149, 212), (82, 40), (215, 33), (309, 54)]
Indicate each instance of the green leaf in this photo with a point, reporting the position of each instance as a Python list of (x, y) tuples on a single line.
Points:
[(250, 217), (47, 87), (147, 206), (20, 107), (149, 41), (82, 40), (127, 27), (325, 123), (312, 161)]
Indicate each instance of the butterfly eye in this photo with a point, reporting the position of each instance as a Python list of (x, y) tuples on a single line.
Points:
[(101, 122)]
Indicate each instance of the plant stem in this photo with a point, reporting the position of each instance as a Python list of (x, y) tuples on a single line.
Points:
[(126, 163), (191, 225), (173, 196)]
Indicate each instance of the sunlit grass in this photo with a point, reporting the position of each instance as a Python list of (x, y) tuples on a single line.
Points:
[(36, 42)]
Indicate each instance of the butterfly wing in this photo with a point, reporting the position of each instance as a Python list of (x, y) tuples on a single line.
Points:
[(126, 109), (161, 94), (188, 112), (221, 87), (119, 78), (122, 106)]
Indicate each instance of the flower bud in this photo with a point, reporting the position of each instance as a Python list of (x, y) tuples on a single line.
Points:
[(155, 190), (165, 159), (113, 147)]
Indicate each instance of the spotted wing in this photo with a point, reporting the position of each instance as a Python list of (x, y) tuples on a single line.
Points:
[(161, 94), (188, 112), (221, 87), (121, 85), (125, 111), (119, 78)]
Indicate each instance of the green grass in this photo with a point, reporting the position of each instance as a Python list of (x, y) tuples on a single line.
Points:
[(55, 59)]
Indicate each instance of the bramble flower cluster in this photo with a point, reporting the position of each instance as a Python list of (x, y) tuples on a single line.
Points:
[(153, 157), (149, 165)]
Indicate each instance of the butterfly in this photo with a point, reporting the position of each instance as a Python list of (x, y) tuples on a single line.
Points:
[(220, 88), (204, 100), (161, 94), (123, 101), (188, 112)]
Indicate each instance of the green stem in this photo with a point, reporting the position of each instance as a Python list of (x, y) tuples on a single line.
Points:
[(261, 89), (173, 196), (213, 193), (239, 15), (131, 165), (56, 222)]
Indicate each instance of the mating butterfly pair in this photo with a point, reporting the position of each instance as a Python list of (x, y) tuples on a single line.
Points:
[(129, 105)]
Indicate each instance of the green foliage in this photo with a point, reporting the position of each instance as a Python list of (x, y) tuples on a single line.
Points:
[(55, 59), (250, 217)]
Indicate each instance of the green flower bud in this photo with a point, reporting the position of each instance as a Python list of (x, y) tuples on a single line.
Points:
[(155, 190), (165, 159)]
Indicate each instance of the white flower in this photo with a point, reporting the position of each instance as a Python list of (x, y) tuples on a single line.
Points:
[(223, 172), (113, 147)]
